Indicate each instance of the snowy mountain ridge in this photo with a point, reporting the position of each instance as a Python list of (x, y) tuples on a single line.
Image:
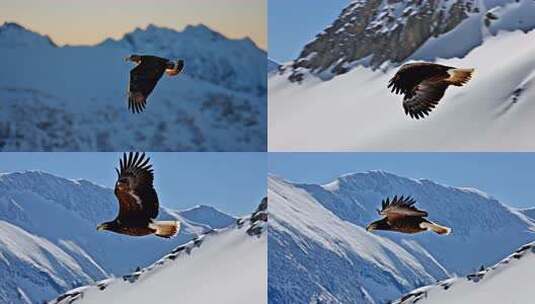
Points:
[(13, 35), (374, 33), (48, 242), (238, 251), (217, 104), (509, 281), (311, 223)]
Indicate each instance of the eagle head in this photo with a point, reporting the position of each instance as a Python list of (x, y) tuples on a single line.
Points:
[(134, 58), (111, 226), (378, 225), (122, 184)]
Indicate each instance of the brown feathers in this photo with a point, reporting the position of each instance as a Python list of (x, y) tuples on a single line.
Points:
[(400, 215), (145, 76), (424, 84), (138, 201)]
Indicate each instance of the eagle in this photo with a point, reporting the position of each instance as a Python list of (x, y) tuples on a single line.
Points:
[(400, 215), (423, 84), (145, 76), (138, 201)]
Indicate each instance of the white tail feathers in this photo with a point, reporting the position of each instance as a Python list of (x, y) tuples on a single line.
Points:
[(436, 228), (459, 77), (165, 229)]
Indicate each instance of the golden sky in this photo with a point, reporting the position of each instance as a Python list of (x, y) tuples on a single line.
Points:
[(78, 22)]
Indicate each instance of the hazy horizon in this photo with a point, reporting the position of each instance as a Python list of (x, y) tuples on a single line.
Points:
[(89, 23)]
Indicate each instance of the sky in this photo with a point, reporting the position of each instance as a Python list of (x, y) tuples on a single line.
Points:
[(232, 182), (90, 22), (294, 23), (508, 177)]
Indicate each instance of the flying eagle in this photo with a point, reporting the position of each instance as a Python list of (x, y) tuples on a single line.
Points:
[(145, 76), (424, 84), (400, 215), (138, 201)]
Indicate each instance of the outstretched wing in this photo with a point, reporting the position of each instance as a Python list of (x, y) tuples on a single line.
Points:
[(134, 189), (400, 207), (424, 98), (143, 80), (410, 75)]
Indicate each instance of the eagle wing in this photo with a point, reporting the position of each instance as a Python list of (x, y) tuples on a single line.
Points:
[(143, 80), (140, 201), (400, 207), (412, 74), (424, 98)]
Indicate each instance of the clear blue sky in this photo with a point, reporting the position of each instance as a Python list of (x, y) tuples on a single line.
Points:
[(509, 177), (294, 23), (232, 182)]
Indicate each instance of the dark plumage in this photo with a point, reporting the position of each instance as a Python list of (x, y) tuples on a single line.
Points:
[(400, 215), (424, 84), (145, 76), (138, 201)]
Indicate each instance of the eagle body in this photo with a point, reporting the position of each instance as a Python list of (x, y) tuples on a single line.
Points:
[(138, 200), (424, 84), (145, 76), (401, 216)]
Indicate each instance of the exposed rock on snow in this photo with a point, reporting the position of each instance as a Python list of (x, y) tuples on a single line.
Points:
[(371, 33), (509, 281)]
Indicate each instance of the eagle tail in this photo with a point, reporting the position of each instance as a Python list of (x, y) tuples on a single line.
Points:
[(175, 68), (436, 228), (459, 77), (165, 229)]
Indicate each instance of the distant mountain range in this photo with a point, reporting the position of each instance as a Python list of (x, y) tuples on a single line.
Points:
[(74, 97), (48, 241), (320, 251)]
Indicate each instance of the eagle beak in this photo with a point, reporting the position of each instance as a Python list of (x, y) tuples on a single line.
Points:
[(101, 227), (126, 59)]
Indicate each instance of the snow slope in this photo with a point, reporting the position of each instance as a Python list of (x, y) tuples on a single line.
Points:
[(74, 97), (48, 241), (356, 111), (510, 281), (320, 251), (530, 213), (223, 266)]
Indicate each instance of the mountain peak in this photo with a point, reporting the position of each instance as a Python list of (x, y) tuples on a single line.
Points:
[(388, 33), (14, 35), (15, 25)]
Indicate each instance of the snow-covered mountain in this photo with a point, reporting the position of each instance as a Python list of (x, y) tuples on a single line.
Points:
[(74, 97), (356, 112), (320, 251), (12, 35), (509, 281), (530, 213), (223, 266), (371, 33), (48, 241)]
